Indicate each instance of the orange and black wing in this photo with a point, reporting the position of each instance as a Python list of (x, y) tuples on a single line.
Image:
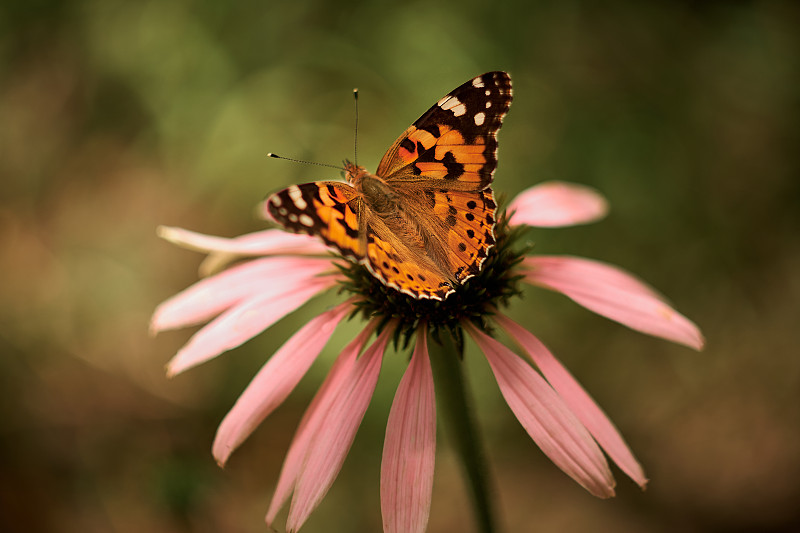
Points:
[(454, 144), (328, 209)]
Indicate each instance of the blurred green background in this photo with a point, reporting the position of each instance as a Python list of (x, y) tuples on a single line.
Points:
[(119, 116)]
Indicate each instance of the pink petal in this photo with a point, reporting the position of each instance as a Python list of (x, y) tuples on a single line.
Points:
[(615, 294), (577, 399), (267, 242), (243, 322), (335, 433), (409, 448), (556, 203), (276, 379), (209, 297), (546, 418), (312, 419)]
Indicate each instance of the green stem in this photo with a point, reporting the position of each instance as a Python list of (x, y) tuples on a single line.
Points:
[(455, 404)]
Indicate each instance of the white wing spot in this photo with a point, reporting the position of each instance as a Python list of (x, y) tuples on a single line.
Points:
[(282, 211), (479, 118), (306, 220), (453, 104), (276, 201), (297, 197), (488, 105), (477, 82), (488, 92), (292, 217)]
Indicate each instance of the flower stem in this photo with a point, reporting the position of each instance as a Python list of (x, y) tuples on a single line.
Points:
[(455, 404)]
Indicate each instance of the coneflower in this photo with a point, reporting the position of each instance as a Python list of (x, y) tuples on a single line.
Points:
[(278, 272)]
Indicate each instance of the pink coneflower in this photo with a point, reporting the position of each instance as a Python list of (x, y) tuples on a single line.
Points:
[(283, 271)]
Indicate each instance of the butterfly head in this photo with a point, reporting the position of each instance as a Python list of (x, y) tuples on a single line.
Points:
[(352, 172)]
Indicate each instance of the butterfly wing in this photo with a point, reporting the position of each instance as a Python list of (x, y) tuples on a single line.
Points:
[(470, 219), (328, 209), (454, 144), (392, 261)]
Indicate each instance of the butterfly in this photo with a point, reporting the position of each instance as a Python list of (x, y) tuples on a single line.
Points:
[(424, 222)]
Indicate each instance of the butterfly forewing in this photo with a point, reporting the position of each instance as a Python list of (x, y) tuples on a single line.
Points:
[(456, 139), (328, 209)]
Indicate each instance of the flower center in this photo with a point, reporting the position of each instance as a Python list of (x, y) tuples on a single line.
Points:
[(474, 300)]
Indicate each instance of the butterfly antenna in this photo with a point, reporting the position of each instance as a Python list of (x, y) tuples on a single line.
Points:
[(355, 141), (276, 156)]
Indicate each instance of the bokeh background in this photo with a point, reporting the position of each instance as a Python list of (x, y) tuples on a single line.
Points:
[(119, 116)]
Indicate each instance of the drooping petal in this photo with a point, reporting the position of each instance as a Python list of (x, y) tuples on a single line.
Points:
[(243, 322), (409, 448), (276, 379), (546, 418), (209, 297), (267, 242), (311, 420), (335, 433), (613, 293), (556, 203), (577, 399)]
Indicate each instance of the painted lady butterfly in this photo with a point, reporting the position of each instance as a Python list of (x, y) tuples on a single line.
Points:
[(424, 222)]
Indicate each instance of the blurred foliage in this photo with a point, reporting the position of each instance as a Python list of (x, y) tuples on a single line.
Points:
[(119, 116)]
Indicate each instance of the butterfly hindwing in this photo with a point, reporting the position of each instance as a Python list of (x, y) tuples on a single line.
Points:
[(471, 218), (387, 261), (328, 209)]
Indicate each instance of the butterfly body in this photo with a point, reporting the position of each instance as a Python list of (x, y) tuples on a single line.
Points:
[(424, 222)]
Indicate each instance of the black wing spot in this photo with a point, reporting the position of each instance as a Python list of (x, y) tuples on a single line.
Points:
[(454, 169), (351, 232), (433, 129), (408, 145)]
